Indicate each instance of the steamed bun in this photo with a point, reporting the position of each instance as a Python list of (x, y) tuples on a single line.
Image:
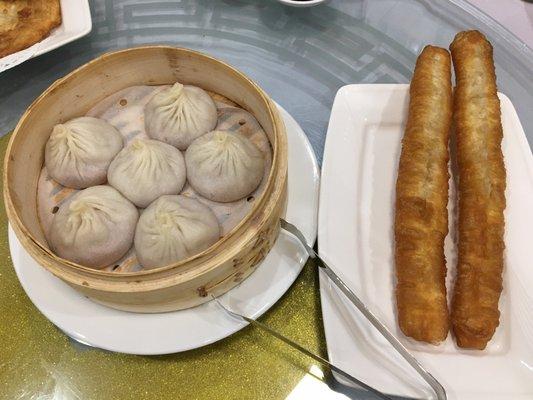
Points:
[(179, 114), (173, 228), (94, 229), (79, 152), (224, 166), (146, 170)]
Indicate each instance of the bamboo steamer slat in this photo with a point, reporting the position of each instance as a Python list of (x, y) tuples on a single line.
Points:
[(180, 285)]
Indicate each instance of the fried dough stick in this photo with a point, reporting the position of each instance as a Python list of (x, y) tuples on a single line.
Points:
[(478, 285), (421, 221)]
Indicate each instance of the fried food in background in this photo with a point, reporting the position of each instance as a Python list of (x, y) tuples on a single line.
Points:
[(475, 314), (26, 22), (421, 220)]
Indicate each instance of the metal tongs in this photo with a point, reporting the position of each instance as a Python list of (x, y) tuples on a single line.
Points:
[(435, 385), (398, 346), (300, 348)]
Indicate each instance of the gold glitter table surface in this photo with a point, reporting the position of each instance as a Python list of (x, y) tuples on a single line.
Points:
[(37, 361)]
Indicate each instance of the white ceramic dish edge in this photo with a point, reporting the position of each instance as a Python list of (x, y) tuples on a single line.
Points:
[(302, 4)]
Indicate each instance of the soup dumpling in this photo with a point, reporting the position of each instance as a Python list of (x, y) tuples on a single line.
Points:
[(179, 114), (224, 166), (173, 228), (95, 228), (79, 151), (147, 169)]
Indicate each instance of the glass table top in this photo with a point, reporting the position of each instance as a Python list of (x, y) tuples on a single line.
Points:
[(301, 57)]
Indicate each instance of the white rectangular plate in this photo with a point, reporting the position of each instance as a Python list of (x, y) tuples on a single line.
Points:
[(76, 22), (355, 238)]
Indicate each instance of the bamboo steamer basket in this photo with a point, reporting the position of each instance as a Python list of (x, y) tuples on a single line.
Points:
[(186, 283)]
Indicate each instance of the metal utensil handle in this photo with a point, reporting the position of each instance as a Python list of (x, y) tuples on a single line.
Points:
[(398, 346), (300, 348)]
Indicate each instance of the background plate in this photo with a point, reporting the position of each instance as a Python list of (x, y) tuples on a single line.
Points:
[(76, 22), (106, 328), (356, 239)]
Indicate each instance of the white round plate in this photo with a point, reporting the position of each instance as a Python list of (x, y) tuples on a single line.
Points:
[(301, 3), (164, 333)]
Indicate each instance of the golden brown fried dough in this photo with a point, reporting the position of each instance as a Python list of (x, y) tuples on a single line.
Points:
[(421, 221), (478, 284), (26, 22)]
